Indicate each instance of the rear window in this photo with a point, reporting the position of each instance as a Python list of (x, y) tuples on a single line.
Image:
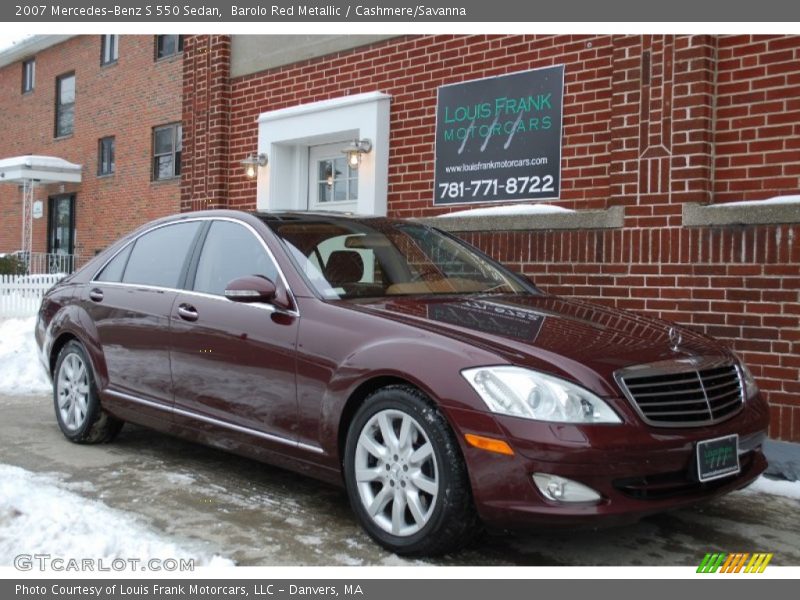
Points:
[(113, 270), (158, 257)]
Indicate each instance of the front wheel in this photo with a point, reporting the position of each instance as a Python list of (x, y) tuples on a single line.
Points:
[(80, 416), (405, 474)]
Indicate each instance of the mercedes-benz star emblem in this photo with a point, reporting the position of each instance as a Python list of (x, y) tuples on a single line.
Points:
[(675, 339)]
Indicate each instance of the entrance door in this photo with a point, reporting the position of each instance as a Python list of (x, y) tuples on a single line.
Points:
[(61, 232), (332, 184)]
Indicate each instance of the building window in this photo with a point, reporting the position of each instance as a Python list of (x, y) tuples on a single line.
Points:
[(65, 104), (168, 45), (332, 179), (105, 156), (167, 146), (109, 49), (28, 75)]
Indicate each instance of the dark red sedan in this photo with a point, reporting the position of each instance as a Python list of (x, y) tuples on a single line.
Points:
[(440, 388)]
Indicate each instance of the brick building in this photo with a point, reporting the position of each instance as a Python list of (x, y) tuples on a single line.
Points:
[(662, 135), (96, 101), (662, 138)]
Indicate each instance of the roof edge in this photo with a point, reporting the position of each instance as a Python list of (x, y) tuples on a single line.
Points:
[(29, 47)]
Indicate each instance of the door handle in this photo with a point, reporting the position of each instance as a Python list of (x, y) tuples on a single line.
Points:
[(187, 312), (96, 295)]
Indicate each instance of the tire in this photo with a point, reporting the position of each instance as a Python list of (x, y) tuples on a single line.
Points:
[(416, 484), (80, 416)]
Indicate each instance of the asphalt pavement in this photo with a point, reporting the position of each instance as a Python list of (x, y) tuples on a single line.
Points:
[(256, 514)]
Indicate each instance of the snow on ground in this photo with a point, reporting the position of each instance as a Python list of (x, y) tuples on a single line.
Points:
[(509, 209), (20, 369), (39, 516), (775, 487)]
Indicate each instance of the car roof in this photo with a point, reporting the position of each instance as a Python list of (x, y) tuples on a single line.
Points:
[(271, 218), (333, 217), (316, 215)]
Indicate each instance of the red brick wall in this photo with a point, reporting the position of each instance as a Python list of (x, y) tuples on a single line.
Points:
[(758, 117), (127, 100), (206, 118), (709, 104), (411, 69)]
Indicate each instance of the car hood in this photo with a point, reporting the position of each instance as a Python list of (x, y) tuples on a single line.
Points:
[(570, 338)]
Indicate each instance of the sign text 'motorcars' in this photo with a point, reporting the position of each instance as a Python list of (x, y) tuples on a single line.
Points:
[(499, 138)]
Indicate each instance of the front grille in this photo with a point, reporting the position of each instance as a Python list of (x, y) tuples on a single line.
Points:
[(682, 393)]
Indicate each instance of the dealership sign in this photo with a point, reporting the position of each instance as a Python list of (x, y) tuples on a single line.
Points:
[(499, 138)]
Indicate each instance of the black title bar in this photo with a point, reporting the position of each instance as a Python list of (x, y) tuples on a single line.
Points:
[(409, 11)]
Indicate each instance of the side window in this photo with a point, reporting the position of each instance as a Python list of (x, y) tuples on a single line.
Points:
[(230, 251), (112, 272), (157, 257)]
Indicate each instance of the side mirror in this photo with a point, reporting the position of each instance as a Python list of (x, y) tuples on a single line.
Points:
[(252, 288)]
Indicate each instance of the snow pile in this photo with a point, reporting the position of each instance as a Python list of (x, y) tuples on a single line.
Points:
[(39, 517), (20, 369), (775, 487), (793, 199), (509, 209)]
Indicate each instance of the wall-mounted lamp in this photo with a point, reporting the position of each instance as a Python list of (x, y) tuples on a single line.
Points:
[(355, 149), (252, 162)]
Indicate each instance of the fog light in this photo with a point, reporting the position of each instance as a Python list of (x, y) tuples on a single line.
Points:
[(561, 489)]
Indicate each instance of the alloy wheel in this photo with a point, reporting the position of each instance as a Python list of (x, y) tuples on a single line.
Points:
[(72, 388), (396, 472)]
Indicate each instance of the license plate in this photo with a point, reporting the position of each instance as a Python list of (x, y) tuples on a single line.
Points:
[(718, 457)]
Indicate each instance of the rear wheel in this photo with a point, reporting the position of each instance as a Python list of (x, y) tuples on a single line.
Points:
[(405, 475), (80, 416)]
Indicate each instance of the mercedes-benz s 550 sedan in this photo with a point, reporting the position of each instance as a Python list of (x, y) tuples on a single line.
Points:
[(441, 389)]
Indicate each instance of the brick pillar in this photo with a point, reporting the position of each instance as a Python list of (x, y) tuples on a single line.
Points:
[(625, 98), (662, 126), (693, 118), (206, 122)]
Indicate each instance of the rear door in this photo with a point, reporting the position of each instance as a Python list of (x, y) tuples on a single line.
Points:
[(130, 302), (233, 363)]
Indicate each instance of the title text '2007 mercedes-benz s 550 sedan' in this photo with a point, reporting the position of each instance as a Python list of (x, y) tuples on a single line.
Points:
[(442, 390)]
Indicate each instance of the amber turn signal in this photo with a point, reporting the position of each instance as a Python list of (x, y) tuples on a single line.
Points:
[(490, 444)]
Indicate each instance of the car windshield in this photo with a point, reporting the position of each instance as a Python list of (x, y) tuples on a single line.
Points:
[(345, 259)]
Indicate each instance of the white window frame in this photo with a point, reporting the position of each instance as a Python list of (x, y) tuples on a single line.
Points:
[(109, 49), (286, 135), (315, 155), (28, 75)]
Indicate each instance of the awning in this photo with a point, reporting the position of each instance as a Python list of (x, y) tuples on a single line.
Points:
[(44, 169)]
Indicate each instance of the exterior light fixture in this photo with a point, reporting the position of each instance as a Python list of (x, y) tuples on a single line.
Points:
[(252, 162), (354, 150)]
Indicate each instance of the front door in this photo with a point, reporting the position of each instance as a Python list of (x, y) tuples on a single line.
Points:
[(61, 232), (233, 362)]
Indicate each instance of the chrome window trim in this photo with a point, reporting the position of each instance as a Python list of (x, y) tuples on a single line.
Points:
[(218, 422), (693, 364), (294, 313)]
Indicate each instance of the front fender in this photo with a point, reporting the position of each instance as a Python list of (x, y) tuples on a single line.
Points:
[(433, 368)]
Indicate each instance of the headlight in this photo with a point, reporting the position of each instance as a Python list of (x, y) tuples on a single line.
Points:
[(750, 385), (532, 395)]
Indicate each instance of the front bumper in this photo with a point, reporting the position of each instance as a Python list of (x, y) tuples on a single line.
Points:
[(638, 470)]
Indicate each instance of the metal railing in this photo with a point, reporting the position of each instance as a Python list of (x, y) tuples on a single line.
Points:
[(36, 263)]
